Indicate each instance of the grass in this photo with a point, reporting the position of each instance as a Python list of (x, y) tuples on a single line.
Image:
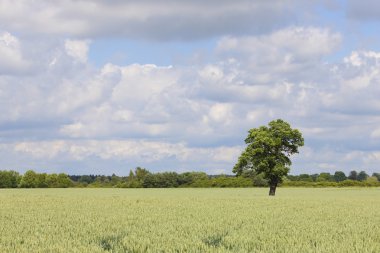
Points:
[(190, 220)]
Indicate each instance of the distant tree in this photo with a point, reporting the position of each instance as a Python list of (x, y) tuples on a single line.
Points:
[(339, 176), (362, 176), (74, 178), (29, 180), (292, 177), (115, 180), (161, 180), (86, 179), (377, 175), (325, 177), (141, 173), (131, 175), (314, 177), (9, 179), (136, 178), (353, 175), (41, 180), (52, 180), (188, 178), (151, 181), (268, 152), (305, 178), (63, 181), (101, 181)]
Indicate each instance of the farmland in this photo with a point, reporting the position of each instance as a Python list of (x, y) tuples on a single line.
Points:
[(190, 220)]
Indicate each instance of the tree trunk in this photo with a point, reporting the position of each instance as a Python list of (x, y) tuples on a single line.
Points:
[(272, 189)]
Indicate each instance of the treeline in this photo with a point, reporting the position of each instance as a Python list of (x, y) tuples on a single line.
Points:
[(31, 179), (142, 178), (139, 178), (338, 179)]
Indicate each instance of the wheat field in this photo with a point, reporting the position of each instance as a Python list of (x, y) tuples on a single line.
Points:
[(190, 220)]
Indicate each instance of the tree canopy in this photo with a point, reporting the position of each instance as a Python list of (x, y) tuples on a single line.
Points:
[(268, 151)]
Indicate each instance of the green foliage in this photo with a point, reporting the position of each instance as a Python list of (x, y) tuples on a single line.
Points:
[(86, 179), (260, 181), (52, 180), (362, 176), (63, 181), (187, 178), (268, 151), (41, 180), (350, 182), (161, 180), (325, 176), (377, 175), (9, 179), (146, 179), (310, 184), (131, 184), (370, 182), (353, 175), (339, 176), (222, 182), (136, 179), (306, 177), (141, 173), (30, 180)]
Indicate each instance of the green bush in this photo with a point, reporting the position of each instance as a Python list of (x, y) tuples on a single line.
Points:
[(350, 182), (223, 182)]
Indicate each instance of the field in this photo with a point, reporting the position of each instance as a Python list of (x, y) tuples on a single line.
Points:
[(190, 220)]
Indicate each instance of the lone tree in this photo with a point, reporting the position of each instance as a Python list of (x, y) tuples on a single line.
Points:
[(268, 152)]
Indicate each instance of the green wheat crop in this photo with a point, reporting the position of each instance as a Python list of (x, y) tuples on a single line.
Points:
[(189, 220)]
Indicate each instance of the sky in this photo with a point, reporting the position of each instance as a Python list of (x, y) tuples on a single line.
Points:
[(104, 86)]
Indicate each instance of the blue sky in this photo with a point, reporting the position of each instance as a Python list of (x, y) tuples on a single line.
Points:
[(101, 86), (125, 51)]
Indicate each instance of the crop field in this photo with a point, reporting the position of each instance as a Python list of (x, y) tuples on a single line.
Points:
[(190, 220)]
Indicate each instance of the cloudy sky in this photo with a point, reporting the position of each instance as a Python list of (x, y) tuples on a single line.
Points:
[(104, 86)]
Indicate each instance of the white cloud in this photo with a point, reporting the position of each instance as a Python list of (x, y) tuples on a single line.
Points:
[(211, 73), (140, 83), (78, 49), (42, 150), (122, 116), (220, 113), (289, 53), (353, 59), (227, 154), (376, 133), (74, 130), (148, 151), (11, 58)]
